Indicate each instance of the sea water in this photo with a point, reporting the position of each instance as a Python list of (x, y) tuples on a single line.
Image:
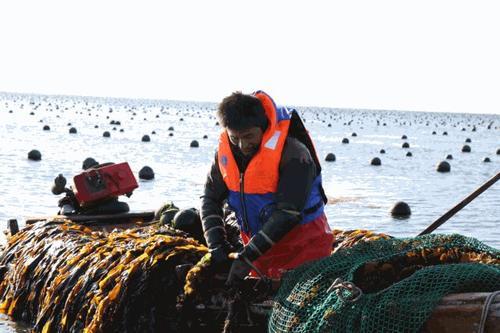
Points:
[(361, 194)]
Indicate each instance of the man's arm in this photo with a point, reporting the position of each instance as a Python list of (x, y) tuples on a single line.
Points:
[(297, 174), (212, 217)]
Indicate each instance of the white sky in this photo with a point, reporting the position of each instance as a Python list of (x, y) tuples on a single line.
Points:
[(406, 55)]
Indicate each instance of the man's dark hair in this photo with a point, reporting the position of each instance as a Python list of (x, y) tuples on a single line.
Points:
[(240, 112)]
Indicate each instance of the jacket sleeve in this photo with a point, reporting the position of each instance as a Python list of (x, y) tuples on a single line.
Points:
[(212, 217), (297, 173)]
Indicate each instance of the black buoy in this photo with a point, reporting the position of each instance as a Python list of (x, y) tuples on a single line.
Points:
[(145, 138), (382, 151), (194, 144), (354, 134), (433, 132), (409, 154), (170, 134), (486, 160), (89, 162), (468, 140), (153, 132), (404, 137), (449, 157), (205, 136), (96, 126), (188, 220), (330, 157), (445, 133), (498, 151), (345, 140), (405, 145), (72, 130), (443, 166), (106, 134), (466, 149), (34, 155), (146, 173), (400, 209), (376, 161), (171, 128), (46, 128)]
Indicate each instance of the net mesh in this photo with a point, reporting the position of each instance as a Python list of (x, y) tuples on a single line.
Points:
[(388, 285)]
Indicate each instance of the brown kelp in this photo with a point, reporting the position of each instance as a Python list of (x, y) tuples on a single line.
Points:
[(348, 238), (385, 285), (376, 275), (65, 277)]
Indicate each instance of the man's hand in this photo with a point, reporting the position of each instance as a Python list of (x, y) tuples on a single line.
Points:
[(219, 256), (239, 270)]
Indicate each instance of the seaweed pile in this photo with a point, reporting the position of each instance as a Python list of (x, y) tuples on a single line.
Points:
[(377, 275), (349, 238), (64, 277), (387, 285), (373, 276), (60, 276)]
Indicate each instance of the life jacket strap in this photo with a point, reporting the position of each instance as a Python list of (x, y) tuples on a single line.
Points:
[(314, 208)]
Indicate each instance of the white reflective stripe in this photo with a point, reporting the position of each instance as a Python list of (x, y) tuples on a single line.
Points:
[(213, 215), (266, 237), (292, 212), (273, 141)]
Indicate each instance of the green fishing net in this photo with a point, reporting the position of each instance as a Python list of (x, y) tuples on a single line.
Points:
[(388, 285)]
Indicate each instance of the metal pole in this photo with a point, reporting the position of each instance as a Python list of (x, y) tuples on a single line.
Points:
[(460, 205)]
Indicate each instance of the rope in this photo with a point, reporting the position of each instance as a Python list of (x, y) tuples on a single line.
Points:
[(486, 307), (338, 285)]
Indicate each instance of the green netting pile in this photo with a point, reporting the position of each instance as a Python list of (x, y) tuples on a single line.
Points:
[(401, 280)]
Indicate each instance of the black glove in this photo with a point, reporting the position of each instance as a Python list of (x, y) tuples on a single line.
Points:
[(219, 256), (239, 270), (214, 231)]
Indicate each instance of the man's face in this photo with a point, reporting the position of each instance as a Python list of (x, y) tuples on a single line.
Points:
[(247, 140)]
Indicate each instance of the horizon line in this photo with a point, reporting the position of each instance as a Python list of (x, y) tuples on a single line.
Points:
[(213, 102)]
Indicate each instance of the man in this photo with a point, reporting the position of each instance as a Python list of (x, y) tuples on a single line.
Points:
[(268, 172)]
